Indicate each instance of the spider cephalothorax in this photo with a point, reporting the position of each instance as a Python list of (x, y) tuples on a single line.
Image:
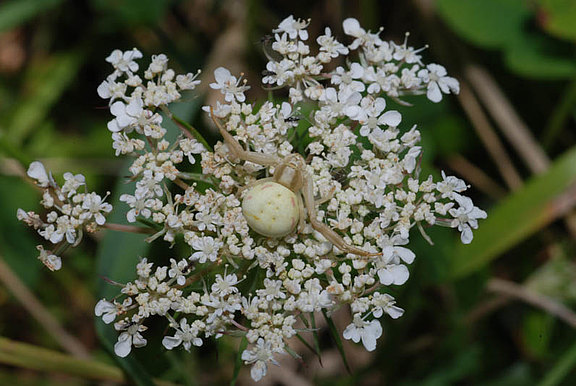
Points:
[(273, 206)]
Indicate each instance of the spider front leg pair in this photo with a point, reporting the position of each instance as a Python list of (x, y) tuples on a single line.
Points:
[(273, 206)]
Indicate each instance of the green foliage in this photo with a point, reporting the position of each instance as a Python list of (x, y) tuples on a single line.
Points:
[(557, 17), (14, 13), (44, 83), (132, 12), (518, 217), (504, 25), (17, 243)]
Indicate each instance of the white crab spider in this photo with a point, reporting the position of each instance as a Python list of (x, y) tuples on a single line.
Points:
[(273, 206)]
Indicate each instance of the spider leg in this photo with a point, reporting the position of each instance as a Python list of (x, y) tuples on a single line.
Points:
[(253, 184), (238, 152), (328, 197), (325, 230), (302, 213)]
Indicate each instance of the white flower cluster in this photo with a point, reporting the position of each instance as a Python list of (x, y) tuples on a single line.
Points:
[(364, 171), (382, 68), (70, 213)]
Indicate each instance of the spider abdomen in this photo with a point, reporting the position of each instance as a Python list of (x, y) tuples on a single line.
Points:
[(271, 209)]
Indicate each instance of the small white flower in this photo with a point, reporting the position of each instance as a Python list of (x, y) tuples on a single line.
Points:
[(94, 206), (259, 356), (435, 76), (207, 249), (293, 28), (393, 274), (368, 332), (106, 310), (384, 303), (465, 217), (229, 85), (124, 61), (109, 89), (187, 335), (179, 270), (450, 185), (50, 260), (188, 81), (126, 114), (130, 337), (37, 171), (224, 286), (330, 45), (73, 182)]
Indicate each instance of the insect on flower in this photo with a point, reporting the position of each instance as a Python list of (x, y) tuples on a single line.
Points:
[(273, 206)]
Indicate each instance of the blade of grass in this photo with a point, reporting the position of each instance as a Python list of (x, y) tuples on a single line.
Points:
[(238, 363), (544, 199), (39, 312), (336, 336), (316, 339), (308, 346), (32, 357), (559, 116), (561, 369)]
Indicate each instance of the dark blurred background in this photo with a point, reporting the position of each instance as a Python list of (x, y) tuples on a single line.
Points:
[(496, 312)]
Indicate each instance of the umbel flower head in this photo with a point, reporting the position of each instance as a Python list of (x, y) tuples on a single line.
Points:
[(70, 213), (290, 216)]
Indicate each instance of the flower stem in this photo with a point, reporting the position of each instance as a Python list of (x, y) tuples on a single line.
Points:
[(127, 228), (187, 129)]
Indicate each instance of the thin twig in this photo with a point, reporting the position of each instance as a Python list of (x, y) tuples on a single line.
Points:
[(509, 121), (40, 313), (181, 183), (476, 176), (488, 136), (548, 304)]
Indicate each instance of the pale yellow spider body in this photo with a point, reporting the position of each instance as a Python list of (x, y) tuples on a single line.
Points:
[(273, 206), (271, 209)]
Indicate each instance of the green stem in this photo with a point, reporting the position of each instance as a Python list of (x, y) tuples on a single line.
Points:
[(558, 119), (183, 125), (197, 177)]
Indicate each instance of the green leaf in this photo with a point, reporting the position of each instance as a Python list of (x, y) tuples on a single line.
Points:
[(486, 23), (557, 17), (117, 258), (46, 80), (539, 57), (517, 217), (17, 243), (16, 12), (504, 25)]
